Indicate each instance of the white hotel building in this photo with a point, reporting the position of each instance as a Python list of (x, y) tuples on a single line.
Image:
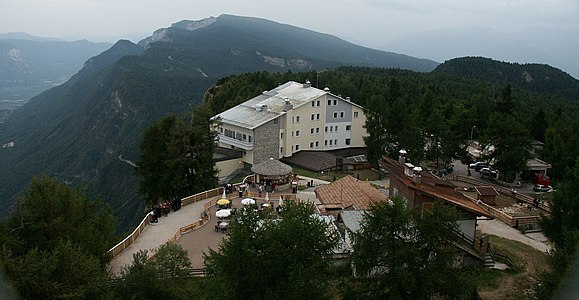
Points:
[(290, 118)]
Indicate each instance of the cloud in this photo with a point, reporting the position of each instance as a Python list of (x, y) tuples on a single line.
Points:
[(366, 21)]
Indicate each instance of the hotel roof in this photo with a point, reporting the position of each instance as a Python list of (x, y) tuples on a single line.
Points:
[(270, 104)]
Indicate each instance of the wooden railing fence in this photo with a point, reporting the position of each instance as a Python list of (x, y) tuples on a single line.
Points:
[(131, 238), (204, 218), (506, 218)]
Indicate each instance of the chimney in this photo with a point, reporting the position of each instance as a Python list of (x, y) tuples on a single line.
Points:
[(402, 156), (408, 169), (264, 108), (326, 89), (288, 105), (348, 99), (307, 84), (416, 175), (417, 179)]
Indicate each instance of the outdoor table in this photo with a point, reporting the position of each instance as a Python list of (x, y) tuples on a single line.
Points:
[(223, 226), (223, 213)]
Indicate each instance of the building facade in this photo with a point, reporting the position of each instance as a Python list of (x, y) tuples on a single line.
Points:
[(291, 118), (420, 190)]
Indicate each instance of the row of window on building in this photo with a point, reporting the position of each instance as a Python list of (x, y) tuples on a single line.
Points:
[(316, 117), (316, 130), (316, 103), (316, 145), (235, 135)]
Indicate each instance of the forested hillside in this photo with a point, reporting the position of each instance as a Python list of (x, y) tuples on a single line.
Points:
[(86, 132), (539, 78)]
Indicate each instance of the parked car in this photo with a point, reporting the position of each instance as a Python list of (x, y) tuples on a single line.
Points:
[(542, 188), (480, 167), (488, 172), (475, 164)]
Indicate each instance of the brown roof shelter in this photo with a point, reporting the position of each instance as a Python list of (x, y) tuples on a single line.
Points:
[(274, 173), (348, 193), (486, 194)]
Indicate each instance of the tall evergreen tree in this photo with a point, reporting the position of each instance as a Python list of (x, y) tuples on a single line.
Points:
[(263, 258), (400, 254), (163, 275), (539, 125), (561, 226), (561, 146), (505, 102), (177, 156), (55, 243), (508, 143)]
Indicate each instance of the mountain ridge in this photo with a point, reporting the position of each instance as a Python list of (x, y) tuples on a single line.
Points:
[(540, 78), (553, 46), (79, 130)]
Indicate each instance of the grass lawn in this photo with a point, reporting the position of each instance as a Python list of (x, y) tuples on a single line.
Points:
[(515, 283)]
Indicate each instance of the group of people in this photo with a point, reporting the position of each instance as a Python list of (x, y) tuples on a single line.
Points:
[(165, 207)]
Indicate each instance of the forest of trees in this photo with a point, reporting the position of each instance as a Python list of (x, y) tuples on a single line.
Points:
[(432, 116)]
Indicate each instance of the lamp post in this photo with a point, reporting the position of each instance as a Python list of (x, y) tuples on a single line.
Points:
[(472, 131)]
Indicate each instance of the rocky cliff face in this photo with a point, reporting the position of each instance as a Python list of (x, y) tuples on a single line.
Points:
[(162, 35)]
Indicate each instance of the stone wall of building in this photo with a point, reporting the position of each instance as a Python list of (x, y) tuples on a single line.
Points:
[(266, 143)]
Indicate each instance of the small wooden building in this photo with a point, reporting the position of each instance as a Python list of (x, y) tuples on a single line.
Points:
[(486, 194)]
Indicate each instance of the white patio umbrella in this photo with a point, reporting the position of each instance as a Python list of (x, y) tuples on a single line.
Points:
[(223, 196), (266, 196), (247, 201), (223, 213), (280, 201)]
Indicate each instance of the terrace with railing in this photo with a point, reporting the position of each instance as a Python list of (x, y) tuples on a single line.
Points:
[(513, 221)]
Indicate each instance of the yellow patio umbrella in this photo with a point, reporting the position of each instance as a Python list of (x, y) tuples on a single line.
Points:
[(223, 201)]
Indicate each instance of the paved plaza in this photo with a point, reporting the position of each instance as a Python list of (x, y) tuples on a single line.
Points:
[(197, 241)]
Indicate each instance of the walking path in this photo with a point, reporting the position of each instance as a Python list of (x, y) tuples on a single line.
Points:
[(498, 228), (157, 234)]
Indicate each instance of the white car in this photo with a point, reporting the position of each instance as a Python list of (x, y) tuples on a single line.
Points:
[(542, 188), (473, 165), (477, 166), (488, 172)]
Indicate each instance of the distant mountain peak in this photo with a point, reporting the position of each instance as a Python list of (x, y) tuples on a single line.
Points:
[(162, 34), (194, 25)]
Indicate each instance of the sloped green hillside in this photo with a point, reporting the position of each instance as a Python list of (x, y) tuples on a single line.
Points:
[(539, 78)]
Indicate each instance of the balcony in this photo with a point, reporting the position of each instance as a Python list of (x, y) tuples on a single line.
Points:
[(235, 142)]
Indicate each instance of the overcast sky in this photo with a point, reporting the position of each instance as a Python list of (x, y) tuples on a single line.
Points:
[(367, 22)]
